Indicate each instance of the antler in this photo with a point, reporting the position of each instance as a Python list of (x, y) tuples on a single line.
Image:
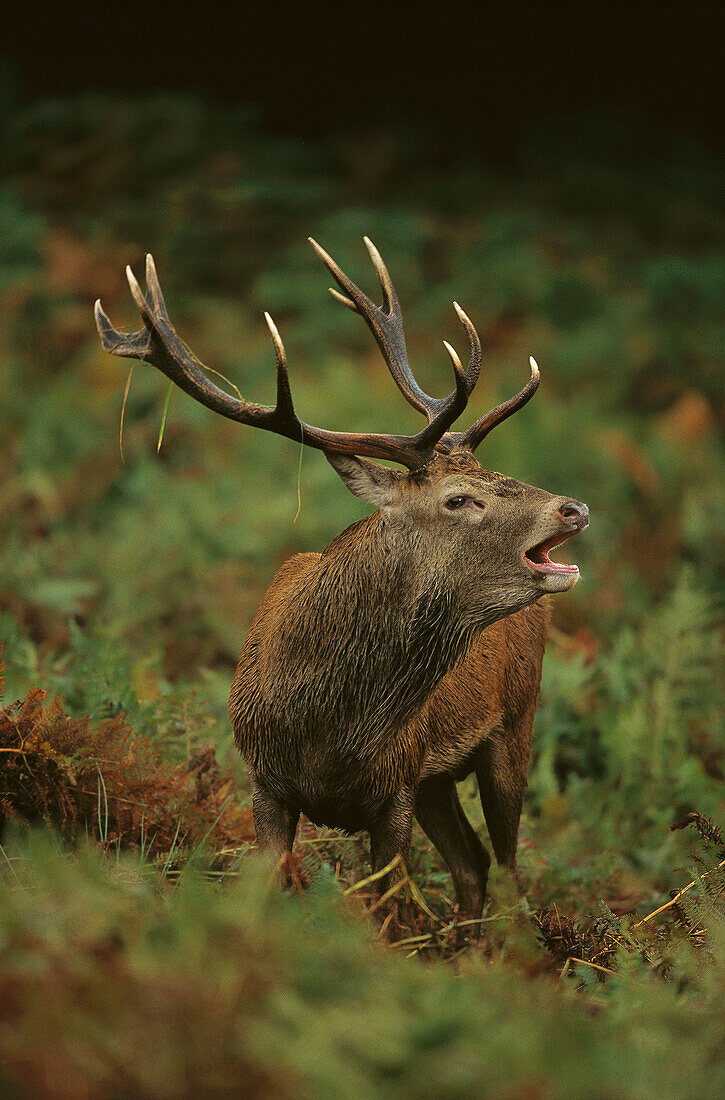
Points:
[(386, 324), (158, 343), (468, 441)]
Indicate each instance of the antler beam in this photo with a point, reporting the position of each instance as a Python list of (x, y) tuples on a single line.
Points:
[(157, 343)]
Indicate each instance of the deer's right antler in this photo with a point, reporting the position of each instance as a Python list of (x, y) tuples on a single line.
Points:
[(386, 324), (158, 343)]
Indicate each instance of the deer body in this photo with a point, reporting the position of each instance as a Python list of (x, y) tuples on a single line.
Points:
[(338, 745), (408, 654)]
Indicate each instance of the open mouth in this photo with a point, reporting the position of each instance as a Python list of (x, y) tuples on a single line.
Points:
[(538, 556)]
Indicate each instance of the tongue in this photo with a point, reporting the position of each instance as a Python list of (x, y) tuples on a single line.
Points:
[(538, 556)]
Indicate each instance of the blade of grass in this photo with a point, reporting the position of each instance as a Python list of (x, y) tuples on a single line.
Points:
[(389, 893), (163, 416), (421, 903), (223, 377), (299, 478), (232, 869), (123, 413), (7, 860), (213, 826), (103, 831), (170, 856), (412, 939)]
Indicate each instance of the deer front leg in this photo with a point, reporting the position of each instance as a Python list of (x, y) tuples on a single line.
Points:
[(390, 837), (442, 819)]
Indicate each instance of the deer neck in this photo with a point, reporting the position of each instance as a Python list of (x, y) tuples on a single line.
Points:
[(396, 629)]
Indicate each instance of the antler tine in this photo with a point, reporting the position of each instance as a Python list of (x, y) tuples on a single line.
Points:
[(284, 393), (469, 440), (452, 407), (474, 344), (390, 298), (157, 343), (386, 325), (154, 288)]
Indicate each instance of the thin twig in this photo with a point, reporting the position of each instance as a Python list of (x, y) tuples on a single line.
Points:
[(594, 966), (676, 898), (374, 877), (389, 893)]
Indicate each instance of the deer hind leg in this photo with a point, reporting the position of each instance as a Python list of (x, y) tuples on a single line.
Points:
[(502, 773), (275, 825), (442, 819)]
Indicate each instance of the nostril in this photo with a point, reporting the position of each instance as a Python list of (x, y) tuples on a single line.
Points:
[(574, 512)]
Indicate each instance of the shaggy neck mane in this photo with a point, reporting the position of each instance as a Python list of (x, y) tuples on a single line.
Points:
[(367, 607)]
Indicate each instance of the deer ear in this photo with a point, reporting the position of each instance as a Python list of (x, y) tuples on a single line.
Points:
[(367, 480)]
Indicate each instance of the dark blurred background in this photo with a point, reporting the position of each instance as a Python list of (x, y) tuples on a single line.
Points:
[(477, 76)]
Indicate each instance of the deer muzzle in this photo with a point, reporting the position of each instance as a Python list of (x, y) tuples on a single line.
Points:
[(557, 576)]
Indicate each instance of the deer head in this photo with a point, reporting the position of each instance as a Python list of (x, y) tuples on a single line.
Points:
[(455, 523)]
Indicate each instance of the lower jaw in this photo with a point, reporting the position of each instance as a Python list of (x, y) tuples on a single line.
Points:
[(558, 582)]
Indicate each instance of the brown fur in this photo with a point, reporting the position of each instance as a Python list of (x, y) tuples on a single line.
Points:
[(406, 656), (373, 676)]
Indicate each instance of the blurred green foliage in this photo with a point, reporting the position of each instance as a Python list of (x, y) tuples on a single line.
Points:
[(241, 991), (128, 587)]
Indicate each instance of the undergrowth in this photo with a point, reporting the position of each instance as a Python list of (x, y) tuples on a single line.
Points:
[(206, 989), (106, 782), (150, 946), (142, 950)]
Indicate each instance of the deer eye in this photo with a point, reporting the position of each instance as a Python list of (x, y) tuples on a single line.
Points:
[(456, 502)]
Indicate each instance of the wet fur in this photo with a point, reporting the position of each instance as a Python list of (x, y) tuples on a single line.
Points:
[(459, 703), (406, 656)]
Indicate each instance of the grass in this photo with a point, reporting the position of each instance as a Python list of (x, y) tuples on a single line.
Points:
[(142, 950), (197, 988)]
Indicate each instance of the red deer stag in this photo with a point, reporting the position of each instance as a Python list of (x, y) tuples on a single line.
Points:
[(378, 674)]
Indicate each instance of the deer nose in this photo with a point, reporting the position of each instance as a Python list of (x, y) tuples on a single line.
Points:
[(575, 513)]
